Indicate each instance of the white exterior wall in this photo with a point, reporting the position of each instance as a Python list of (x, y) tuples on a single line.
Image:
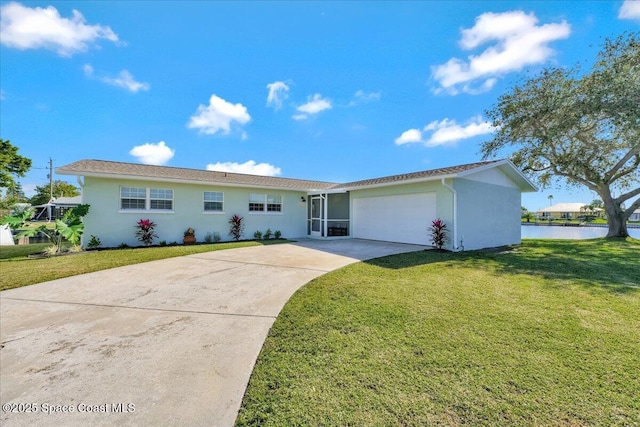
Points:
[(443, 202), (488, 211), (114, 226)]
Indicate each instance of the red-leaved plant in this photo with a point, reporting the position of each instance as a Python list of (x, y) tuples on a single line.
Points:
[(144, 231), (438, 233), (236, 227)]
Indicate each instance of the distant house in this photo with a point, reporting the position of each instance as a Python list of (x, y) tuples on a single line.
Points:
[(566, 211), (635, 216), (56, 208), (397, 208)]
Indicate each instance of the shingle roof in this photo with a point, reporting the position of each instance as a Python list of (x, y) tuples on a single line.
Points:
[(104, 168), (118, 169), (433, 173)]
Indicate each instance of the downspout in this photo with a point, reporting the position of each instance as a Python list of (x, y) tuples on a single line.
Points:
[(455, 214)]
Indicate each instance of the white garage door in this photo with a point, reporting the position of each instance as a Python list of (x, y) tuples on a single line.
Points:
[(404, 218)]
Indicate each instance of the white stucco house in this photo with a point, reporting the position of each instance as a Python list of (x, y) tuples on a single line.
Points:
[(479, 202)]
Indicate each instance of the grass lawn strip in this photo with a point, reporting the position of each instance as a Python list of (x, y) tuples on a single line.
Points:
[(543, 334), (19, 270)]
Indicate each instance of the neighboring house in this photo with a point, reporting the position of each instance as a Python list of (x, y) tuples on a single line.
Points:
[(479, 202), (56, 208), (562, 211), (635, 216)]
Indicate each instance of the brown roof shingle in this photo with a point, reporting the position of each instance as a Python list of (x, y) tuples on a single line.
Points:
[(119, 169)]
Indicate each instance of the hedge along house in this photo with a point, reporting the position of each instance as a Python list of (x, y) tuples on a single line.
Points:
[(479, 202)]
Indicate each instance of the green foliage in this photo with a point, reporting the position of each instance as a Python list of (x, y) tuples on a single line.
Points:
[(11, 164), (257, 235), (268, 234), (543, 334), (212, 237), (70, 227), (277, 234), (17, 221), (94, 242), (60, 188), (580, 127)]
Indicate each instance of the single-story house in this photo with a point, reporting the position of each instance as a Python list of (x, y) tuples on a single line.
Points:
[(56, 208), (479, 202), (635, 216), (563, 211)]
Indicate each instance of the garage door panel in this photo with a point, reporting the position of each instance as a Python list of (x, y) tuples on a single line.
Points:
[(401, 218)]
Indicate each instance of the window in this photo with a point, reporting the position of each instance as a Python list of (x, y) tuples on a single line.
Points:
[(140, 198), (133, 198), (213, 201), (161, 199), (265, 203), (274, 203)]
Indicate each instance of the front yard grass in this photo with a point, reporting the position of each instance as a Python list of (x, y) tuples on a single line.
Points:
[(17, 269), (546, 333)]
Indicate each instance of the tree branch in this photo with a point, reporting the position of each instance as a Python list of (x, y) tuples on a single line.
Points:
[(635, 150)]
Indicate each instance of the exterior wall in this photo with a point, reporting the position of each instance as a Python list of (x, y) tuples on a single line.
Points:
[(444, 199), (114, 226), (488, 214)]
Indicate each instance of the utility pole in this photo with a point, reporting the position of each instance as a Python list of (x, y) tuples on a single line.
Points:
[(50, 179)]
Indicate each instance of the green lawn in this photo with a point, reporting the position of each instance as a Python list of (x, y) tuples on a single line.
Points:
[(547, 333), (17, 269)]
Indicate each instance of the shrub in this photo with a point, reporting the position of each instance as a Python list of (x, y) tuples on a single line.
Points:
[(145, 232), (123, 246), (268, 234), (277, 234), (216, 237), (257, 235), (438, 233), (94, 242), (208, 238), (236, 227)]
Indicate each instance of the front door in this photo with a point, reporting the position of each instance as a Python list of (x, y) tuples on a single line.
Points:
[(316, 216)]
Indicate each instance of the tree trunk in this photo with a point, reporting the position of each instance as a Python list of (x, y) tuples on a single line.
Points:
[(615, 217)]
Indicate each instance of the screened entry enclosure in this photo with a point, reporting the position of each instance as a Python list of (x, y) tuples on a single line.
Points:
[(328, 215)]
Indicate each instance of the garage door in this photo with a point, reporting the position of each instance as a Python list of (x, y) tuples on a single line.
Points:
[(404, 218)]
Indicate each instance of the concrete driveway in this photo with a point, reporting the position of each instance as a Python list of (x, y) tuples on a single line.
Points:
[(170, 342)]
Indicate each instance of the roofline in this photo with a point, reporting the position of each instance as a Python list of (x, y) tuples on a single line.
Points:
[(499, 163), (331, 187), (439, 177), (183, 181), (392, 183)]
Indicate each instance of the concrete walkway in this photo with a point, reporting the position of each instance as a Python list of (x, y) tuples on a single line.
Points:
[(170, 342)]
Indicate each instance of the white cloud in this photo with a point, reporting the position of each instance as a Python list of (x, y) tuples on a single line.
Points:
[(277, 94), (314, 105), (23, 28), (518, 41), (250, 167), (153, 154), (409, 136), (630, 9), (218, 116), (362, 97), (124, 80), (446, 132)]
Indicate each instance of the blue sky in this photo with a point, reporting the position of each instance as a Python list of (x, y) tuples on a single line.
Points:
[(333, 91)]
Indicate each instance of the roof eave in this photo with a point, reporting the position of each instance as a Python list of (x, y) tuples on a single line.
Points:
[(182, 181)]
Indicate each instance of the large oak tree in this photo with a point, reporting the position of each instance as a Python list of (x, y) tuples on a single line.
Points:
[(583, 127)]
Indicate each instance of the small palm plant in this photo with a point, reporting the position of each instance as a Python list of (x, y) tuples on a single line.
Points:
[(438, 233), (145, 232), (236, 227)]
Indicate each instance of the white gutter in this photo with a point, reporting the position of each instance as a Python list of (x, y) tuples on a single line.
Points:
[(455, 214)]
